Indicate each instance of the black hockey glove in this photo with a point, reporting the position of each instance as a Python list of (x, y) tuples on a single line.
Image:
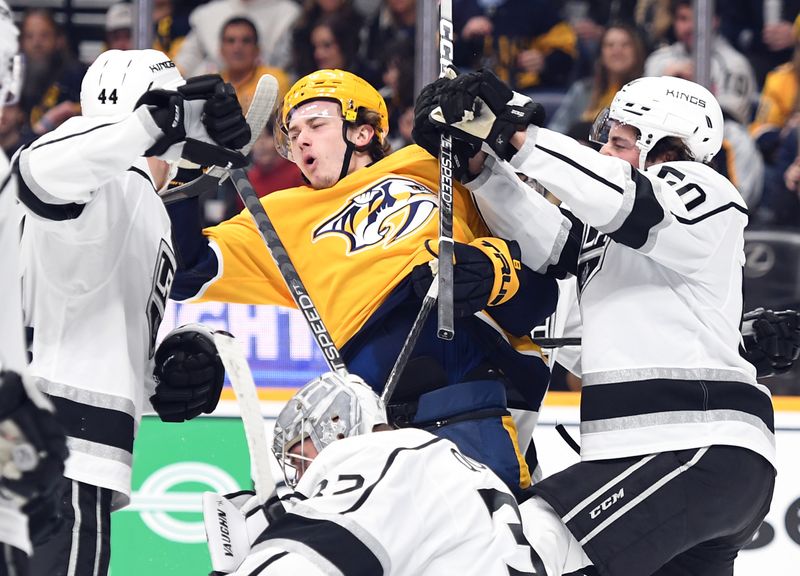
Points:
[(189, 374), (485, 274), (771, 340), (185, 135), (32, 445), (478, 107), (222, 114), (428, 134)]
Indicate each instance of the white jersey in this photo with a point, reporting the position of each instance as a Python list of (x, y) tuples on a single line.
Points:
[(400, 503), (97, 265), (659, 268)]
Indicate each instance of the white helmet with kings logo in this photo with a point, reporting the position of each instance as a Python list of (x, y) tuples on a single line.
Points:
[(118, 78), (661, 107)]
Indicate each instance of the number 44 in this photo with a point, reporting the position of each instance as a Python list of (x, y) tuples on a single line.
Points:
[(112, 97)]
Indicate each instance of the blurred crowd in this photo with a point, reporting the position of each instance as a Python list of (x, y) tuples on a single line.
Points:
[(571, 56)]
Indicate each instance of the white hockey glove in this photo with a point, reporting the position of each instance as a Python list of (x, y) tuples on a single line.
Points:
[(478, 107), (233, 522), (202, 122)]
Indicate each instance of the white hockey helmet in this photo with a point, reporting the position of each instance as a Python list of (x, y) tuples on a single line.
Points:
[(660, 107), (328, 408), (10, 63), (118, 78)]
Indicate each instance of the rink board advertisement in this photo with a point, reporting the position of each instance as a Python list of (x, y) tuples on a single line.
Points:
[(161, 532)]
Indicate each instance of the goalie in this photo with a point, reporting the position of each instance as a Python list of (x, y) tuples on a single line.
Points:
[(367, 499)]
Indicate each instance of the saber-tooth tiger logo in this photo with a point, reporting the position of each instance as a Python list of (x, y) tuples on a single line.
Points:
[(388, 211)]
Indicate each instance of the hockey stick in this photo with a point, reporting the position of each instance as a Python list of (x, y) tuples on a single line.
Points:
[(411, 340), (241, 379), (258, 114), (244, 189), (446, 329)]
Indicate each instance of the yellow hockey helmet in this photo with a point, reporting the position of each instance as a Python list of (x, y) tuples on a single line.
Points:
[(344, 87)]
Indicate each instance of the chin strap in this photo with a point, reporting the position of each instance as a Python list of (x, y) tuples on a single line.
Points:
[(348, 153)]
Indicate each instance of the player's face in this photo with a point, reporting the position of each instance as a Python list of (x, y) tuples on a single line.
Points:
[(301, 455), (622, 144), (316, 142)]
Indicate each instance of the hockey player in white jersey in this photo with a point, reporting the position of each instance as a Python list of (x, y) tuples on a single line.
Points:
[(393, 502), (677, 437), (97, 265), (32, 445)]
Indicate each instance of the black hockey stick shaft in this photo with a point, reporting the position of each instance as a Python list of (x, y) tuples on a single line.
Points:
[(446, 328), (289, 273), (411, 341)]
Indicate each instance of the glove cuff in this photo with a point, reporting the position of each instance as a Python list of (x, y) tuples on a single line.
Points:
[(506, 280)]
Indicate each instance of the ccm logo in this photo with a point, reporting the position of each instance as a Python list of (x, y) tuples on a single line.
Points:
[(607, 503)]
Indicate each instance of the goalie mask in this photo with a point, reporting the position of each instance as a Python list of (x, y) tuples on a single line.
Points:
[(10, 62), (118, 78), (348, 90), (665, 107), (328, 408)]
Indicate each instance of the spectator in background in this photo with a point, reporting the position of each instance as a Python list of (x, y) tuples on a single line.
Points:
[(333, 45), (621, 60), (398, 92), (171, 25), (240, 57), (762, 29), (395, 23), (654, 18), (525, 42), (119, 27), (732, 79), (779, 100), (51, 84), (274, 19), (313, 10), (780, 204), (734, 85), (589, 20)]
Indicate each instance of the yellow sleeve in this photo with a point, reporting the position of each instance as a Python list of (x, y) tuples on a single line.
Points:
[(777, 100), (247, 274)]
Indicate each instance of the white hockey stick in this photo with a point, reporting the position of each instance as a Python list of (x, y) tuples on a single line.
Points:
[(241, 379), (446, 328), (258, 114)]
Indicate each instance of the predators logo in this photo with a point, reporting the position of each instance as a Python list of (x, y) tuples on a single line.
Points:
[(388, 211)]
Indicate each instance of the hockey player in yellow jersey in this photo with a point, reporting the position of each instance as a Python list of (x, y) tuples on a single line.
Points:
[(361, 234)]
